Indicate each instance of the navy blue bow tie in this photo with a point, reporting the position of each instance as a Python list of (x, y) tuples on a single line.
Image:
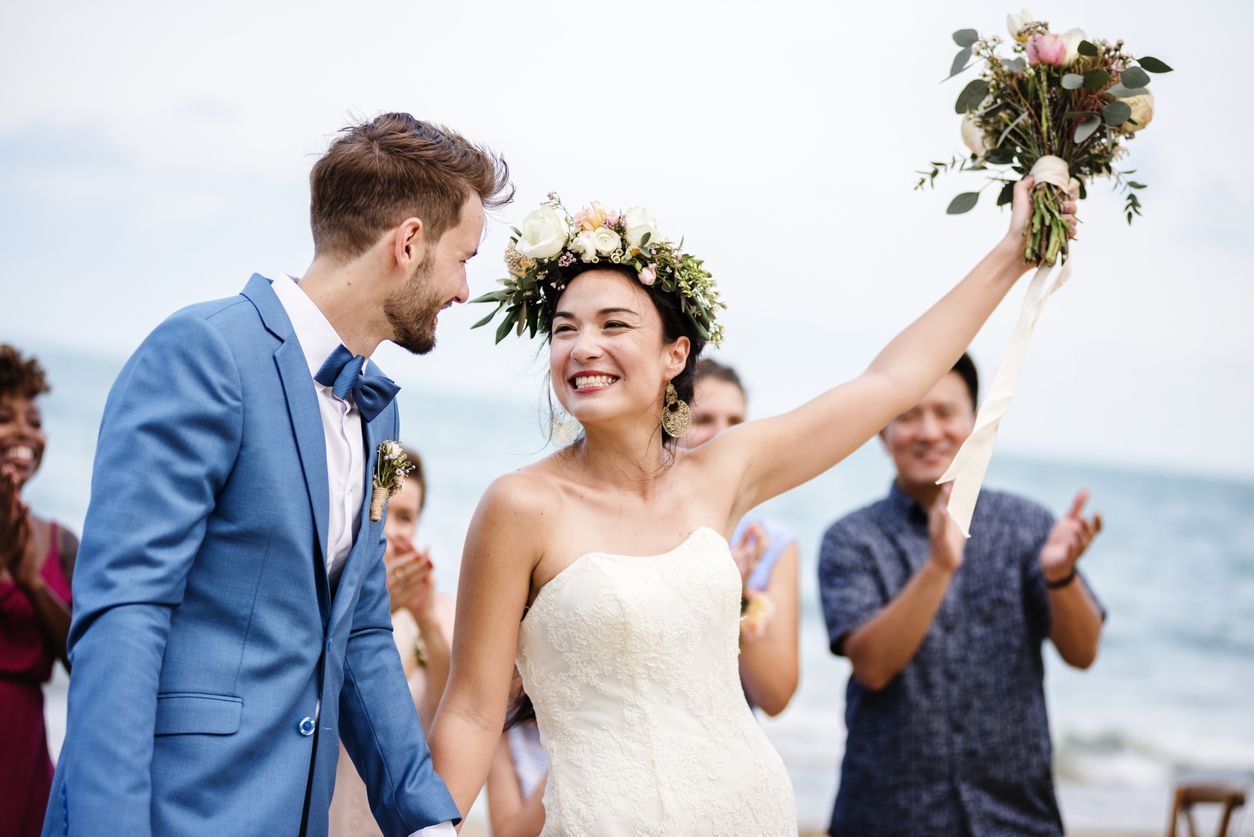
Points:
[(342, 373)]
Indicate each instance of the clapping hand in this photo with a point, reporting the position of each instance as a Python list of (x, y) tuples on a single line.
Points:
[(948, 542), (411, 577), (1068, 540), (748, 551), (15, 531)]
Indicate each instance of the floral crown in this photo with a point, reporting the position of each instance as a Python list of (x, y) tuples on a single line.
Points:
[(552, 247)]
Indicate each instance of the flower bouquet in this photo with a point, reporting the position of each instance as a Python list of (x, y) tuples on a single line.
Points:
[(1061, 108)]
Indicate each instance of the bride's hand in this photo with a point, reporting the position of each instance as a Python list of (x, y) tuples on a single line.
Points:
[(1021, 212)]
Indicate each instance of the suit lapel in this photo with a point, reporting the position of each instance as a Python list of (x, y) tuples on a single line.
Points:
[(302, 408)]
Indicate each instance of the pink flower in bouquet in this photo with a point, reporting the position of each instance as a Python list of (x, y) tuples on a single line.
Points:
[(648, 275), (1048, 49)]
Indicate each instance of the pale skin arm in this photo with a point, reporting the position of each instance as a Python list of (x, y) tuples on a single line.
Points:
[(1076, 621), (509, 814), (768, 663), (763, 457), (885, 644), (502, 549)]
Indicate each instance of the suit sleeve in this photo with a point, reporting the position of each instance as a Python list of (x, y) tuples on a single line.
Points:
[(379, 723), (168, 441)]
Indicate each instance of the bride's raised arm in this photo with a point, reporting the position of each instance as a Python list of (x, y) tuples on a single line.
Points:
[(777, 454)]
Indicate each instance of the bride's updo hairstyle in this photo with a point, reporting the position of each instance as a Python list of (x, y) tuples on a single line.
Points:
[(552, 248)]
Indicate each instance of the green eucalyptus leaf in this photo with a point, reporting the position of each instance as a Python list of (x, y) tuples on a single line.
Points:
[(1086, 128), (960, 63), (1116, 113), (971, 96), (487, 319), (1072, 81), (1120, 91), (1007, 194), (966, 37), (1134, 77), (962, 203), (1096, 79), (1087, 48), (999, 157), (644, 239), (506, 324), (1154, 65)]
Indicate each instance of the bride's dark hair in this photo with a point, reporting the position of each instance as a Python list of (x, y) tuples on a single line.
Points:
[(675, 324)]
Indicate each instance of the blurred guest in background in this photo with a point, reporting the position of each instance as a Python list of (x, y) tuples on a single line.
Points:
[(422, 625), (36, 563), (766, 552), (948, 732)]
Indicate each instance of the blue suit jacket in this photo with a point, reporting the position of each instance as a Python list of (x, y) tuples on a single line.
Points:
[(214, 670)]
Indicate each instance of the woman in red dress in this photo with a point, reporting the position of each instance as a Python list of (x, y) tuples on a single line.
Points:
[(36, 561)]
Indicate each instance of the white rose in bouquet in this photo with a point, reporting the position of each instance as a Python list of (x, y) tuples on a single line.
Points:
[(1016, 21), (1142, 111), (544, 233), (606, 240), (973, 137), (638, 222), (1071, 38)]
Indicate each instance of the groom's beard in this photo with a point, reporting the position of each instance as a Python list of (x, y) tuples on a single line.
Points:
[(412, 313)]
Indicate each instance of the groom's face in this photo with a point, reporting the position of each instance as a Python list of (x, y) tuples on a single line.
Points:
[(436, 282)]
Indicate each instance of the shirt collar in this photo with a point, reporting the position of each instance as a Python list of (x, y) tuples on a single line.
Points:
[(904, 505), (316, 335)]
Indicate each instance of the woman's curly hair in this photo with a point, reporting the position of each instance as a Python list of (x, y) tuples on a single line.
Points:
[(20, 376)]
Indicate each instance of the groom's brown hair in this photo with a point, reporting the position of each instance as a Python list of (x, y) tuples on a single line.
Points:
[(378, 173)]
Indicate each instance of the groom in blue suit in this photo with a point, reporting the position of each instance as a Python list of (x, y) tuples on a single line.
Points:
[(231, 618)]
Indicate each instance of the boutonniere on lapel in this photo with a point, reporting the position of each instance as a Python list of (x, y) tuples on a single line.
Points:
[(391, 466)]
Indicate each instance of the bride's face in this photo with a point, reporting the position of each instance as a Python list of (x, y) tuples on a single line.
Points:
[(608, 356)]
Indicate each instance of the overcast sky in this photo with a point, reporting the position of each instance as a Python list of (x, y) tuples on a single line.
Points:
[(156, 154)]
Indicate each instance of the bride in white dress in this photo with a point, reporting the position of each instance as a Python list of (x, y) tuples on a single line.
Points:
[(603, 570)]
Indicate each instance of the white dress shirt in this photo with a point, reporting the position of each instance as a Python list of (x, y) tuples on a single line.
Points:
[(341, 426)]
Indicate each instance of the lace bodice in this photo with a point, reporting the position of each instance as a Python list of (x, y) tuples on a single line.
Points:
[(632, 664)]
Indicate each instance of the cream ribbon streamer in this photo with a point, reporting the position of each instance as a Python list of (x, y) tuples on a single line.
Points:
[(971, 462)]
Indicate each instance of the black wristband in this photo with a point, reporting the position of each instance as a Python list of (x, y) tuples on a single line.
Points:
[(1062, 582)]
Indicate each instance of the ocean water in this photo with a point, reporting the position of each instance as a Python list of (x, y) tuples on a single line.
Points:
[(1170, 697)]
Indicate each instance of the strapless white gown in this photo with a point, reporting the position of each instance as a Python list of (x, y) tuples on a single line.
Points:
[(631, 663)]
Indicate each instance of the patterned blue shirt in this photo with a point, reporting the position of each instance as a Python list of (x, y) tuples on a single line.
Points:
[(957, 743)]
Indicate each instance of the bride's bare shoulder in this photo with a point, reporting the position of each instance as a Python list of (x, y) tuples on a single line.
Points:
[(529, 497)]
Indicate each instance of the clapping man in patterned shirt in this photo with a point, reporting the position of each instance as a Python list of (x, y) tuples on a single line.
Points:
[(948, 732)]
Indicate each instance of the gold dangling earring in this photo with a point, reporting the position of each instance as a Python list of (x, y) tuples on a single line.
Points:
[(563, 429), (676, 415)]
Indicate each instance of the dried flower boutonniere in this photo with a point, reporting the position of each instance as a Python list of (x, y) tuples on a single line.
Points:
[(391, 466)]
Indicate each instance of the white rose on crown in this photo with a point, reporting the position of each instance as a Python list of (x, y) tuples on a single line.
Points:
[(638, 222), (606, 240), (544, 233), (585, 245)]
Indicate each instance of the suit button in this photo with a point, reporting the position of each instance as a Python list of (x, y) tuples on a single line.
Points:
[(306, 726)]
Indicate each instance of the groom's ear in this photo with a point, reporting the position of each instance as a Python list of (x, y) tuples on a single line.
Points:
[(409, 244)]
